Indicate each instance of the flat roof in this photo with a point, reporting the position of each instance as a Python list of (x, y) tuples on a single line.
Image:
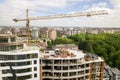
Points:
[(77, 54), (6, 35), (21, 51), (115, 71)]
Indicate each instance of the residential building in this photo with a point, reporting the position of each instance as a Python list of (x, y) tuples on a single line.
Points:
[(35, 33), (68, 64), (52, 34), (17, 60), (66, 46), (48, 33), (116, 74), (111, 73)]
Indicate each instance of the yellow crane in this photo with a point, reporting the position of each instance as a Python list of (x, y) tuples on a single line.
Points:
[(76, 14)]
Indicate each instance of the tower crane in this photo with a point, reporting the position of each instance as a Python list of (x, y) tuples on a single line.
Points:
[(69, 15)]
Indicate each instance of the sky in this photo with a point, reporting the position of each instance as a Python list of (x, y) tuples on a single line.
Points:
[(10, 9)]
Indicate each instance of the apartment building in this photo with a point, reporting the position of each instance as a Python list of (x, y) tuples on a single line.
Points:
[(66, 46), (68, 64), (48, 33), (52, 34), (111, 73), (35, 33), (17, 60)]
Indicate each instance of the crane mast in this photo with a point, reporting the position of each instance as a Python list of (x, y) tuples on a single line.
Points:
[(27, 26), (69, 15)]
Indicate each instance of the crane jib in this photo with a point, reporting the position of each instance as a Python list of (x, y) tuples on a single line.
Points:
[(77, 14)]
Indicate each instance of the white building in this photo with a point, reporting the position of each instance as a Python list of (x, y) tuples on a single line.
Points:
[(35, 33), (17, 61)]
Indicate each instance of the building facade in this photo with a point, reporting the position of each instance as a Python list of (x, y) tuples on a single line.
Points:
[(111, 73), (70, 65), (17, 61), (35, 33), (52, 34), (66, 46), (48, 33)]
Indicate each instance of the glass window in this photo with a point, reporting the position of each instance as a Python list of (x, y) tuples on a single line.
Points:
[(35, 75), (16, 64), (3, 40), (35, 62), (4, 48), (34, 55), (20, 46), (35, 68), (13, 39)]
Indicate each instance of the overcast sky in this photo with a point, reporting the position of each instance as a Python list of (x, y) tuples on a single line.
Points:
[(10, 9)]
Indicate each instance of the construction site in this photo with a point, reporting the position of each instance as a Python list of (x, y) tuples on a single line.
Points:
[(70, 65), (57, 64)]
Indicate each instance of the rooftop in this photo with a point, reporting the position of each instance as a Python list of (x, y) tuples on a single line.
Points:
[(66, 46), (115, 71), (66, 54), (108, 71), (7, 35), (26, 49)]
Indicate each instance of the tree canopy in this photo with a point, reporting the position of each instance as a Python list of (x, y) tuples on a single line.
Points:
[(104, 44)]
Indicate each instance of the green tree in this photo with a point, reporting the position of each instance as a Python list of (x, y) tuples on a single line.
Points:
[(49, 45), (105, 45), (88, 47), (118, 63), (61, 40)]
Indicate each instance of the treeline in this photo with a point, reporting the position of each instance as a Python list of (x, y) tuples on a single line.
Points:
[(104, 45), (59, 40)]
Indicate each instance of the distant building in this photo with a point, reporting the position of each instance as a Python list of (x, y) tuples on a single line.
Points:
[(66, 46), (72, 32), (93, 31), (8, 32), (116, 73), (48, 33), (35, 33), (52, 34), (15, 30), (111, 73), (116, 30), (106, 31)]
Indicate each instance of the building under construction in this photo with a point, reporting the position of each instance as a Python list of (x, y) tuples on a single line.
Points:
[(70, 65), (21, 62)]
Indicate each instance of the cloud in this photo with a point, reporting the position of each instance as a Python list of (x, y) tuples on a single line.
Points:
[(101, 4), (16, 8), (79, 0), (96, 5), (13, 8), (116, 4)]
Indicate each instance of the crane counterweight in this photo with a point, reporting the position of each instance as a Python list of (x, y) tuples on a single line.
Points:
[(15, 20)]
